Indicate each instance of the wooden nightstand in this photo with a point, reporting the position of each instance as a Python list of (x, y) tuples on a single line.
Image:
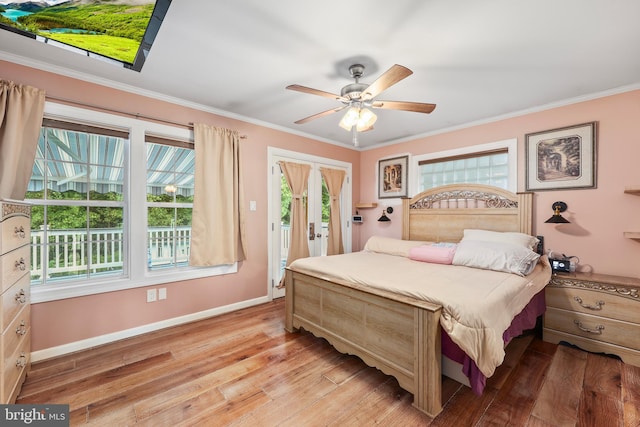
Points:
[(596, 312)]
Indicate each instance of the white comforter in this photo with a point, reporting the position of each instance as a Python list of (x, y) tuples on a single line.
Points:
[(477, 305)]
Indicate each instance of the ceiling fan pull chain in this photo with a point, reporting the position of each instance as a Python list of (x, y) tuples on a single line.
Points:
[(354, 131)]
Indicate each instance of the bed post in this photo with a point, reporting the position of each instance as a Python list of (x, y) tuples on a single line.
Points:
[(288, 302), (525, 201), (427, 377), (405, 219)]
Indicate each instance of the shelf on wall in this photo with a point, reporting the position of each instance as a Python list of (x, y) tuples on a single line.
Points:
[(634, 189), (366, 205)]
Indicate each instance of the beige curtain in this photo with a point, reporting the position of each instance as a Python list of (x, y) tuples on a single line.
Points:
[(297, 176), (21, 111), (334, 179), (218, 226)]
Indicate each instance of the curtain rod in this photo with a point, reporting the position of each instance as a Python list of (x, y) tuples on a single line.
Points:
[(136, 115)]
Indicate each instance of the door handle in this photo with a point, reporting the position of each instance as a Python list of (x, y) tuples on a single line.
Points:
[(312, 231)]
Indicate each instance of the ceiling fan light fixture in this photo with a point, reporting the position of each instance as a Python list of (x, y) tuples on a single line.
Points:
[(362, 118), (350, 118), (366, 120)]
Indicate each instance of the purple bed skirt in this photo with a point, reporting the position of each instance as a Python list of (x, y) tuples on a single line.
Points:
[(522, 322)]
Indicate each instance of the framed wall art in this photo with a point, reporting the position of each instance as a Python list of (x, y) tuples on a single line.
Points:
[(561, 159), (392, 177)]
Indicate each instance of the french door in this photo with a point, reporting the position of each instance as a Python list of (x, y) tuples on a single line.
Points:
[(316, 207)]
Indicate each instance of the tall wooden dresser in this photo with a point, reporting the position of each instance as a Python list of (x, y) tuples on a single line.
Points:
[(15, 322)]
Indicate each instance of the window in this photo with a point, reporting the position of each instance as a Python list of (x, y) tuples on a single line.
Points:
[(77, 191), (170, 179), (105, 215), (488, 164)]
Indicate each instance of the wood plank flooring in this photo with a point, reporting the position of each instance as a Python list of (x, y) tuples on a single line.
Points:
[(243, 369)]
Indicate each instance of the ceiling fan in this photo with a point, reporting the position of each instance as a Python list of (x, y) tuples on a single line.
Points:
[(359, 97)]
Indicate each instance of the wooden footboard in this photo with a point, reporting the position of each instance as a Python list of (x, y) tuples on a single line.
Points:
[(398, 335)]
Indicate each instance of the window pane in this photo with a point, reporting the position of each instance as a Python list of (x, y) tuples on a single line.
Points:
[(169, 237), (170, 173), (106, 237), (484, 168)]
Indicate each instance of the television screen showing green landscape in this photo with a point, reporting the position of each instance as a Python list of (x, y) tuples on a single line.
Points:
[(117, 30)]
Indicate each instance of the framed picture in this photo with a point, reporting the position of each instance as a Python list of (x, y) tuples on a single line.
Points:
[(392, 177), (561, 159)]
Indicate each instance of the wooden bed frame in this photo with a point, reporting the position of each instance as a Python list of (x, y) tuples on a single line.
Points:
[(396, 334)]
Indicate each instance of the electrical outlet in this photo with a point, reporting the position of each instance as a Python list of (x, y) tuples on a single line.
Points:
[(162, 293), (151, 295)]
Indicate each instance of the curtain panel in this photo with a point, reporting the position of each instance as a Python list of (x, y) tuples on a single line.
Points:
[(334, 179), (297, 176), (21, 113), (218, 220)]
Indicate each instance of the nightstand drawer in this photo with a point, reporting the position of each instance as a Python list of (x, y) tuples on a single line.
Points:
[(593, 327), (596, 303)]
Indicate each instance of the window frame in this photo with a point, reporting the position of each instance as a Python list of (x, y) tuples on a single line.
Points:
[(511, 145), (136, 274)]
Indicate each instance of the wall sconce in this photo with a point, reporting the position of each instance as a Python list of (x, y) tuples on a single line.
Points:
[(384, 217), (556, 218)]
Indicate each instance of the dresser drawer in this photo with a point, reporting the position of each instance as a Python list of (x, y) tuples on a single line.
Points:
[(13, 300), (17, 330), (13, 265), (15, 232), (597, 303), (593, 327), (15, 366)]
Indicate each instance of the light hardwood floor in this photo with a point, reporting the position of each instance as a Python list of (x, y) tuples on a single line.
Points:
[(243, 369)]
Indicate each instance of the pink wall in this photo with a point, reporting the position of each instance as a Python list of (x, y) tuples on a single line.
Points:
[(598, 216), (65, 321)]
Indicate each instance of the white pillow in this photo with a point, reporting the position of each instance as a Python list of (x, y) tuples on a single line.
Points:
[(391, 246), (498, 256), (524, 240)]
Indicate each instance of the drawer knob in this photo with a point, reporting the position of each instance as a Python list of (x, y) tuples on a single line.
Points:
[(22, 329), (22, 361), (21, 297), (20, 264), (597, 331), (597, 306), (19, 231)]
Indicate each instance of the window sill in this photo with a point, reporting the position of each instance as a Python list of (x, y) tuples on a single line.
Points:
[(53, 292)]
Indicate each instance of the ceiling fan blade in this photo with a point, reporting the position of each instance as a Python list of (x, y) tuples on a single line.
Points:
[(317, 116), (418, 107), (312, 91), (390, 77)]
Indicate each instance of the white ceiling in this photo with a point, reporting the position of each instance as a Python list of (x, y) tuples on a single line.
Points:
[(477, 60)]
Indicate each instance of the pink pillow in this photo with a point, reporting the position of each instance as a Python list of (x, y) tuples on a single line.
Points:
[(437, 253)]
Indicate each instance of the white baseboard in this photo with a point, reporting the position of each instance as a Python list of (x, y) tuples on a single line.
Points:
[(60, 350)]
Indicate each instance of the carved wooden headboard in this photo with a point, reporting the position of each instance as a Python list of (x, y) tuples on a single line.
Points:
[(441, 214)]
